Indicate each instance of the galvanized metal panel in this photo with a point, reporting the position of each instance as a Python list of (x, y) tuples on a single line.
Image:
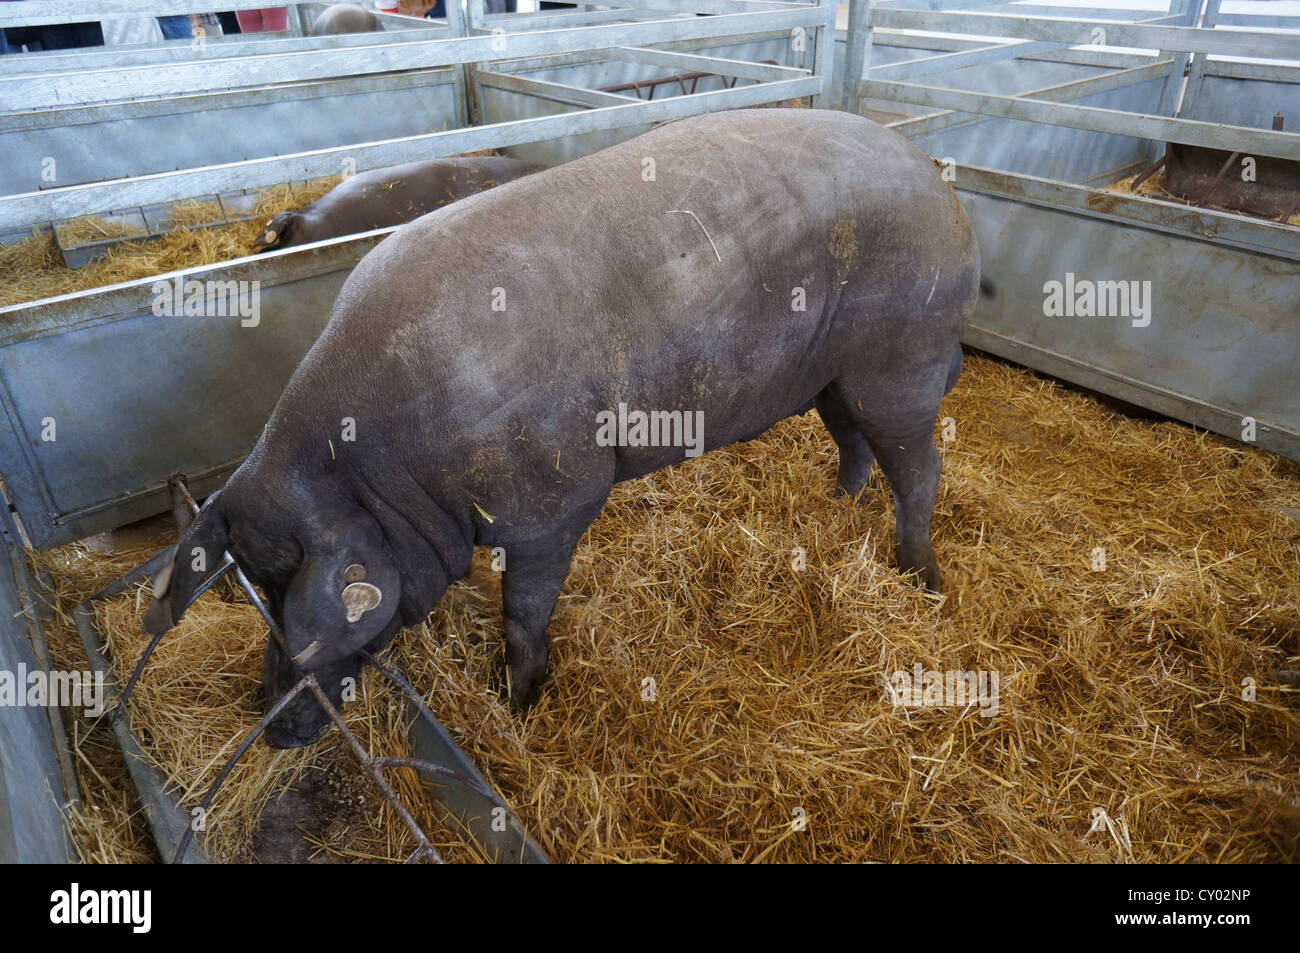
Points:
[(1211, 135), (136, 397), (1212, 354), (1048, 151), (1249, 102), (134, 139), (18, 92), (239, 44), (1074, 30), (32, 827), (27, 209), (605, 71)]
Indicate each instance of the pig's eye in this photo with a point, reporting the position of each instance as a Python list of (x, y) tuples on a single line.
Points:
[(355, 573), (359, 598)]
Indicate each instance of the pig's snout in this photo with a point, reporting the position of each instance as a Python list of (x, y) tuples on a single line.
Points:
[(303, 721)]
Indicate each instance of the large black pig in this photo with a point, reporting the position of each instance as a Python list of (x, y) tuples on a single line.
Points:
[(715, 275)]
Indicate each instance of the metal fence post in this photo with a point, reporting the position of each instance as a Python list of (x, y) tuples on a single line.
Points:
[(857, 55)]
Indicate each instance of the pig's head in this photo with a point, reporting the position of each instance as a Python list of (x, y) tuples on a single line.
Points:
[(277, 233), (330, 583)]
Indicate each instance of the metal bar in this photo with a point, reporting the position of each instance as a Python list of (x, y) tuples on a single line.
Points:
[(1223, 170), (1078, 12), (562, 92), (26, 92), (376, 776), (436, 769), (205, 102), (940, 4), (466, 805), (857, 55), (27, 209), (1267, 72), (560, 19), (689, 62), (306, 682), (1149, 171), (823, 56), (1173, 84), (167, 821), (115, 57), (1196, 74), (1259, 20), (1075, 89), (463, 88), (1283, 145), (928, 65), (560, 60), (1223, 228), (1256, 44)]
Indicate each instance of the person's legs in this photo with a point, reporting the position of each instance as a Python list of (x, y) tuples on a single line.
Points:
[(176, 27), (87, 34)]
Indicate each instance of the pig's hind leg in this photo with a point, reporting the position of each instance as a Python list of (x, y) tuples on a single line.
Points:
[(855, 452), (896, 418)]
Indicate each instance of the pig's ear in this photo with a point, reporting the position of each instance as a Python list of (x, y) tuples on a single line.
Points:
[(344, 595), (276, 232), (197, 557)]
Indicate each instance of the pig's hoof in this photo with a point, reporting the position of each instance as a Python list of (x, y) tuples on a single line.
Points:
[(924, 565), (521, 701), (524, 685), (851, 490), (851, 481)]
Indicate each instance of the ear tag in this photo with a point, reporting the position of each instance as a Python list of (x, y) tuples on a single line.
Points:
[(307, 653), (163, 580), (359, 598)]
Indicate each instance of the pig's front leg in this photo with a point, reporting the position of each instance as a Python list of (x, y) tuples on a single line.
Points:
[(534, 574)]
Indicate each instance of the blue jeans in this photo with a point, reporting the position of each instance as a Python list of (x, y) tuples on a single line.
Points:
[(177, 27)]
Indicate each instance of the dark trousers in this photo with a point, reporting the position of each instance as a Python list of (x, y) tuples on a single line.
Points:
[(55, 36)]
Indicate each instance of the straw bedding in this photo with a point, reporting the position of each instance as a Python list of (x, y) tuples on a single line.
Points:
[(769, 735), (33, 269)]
